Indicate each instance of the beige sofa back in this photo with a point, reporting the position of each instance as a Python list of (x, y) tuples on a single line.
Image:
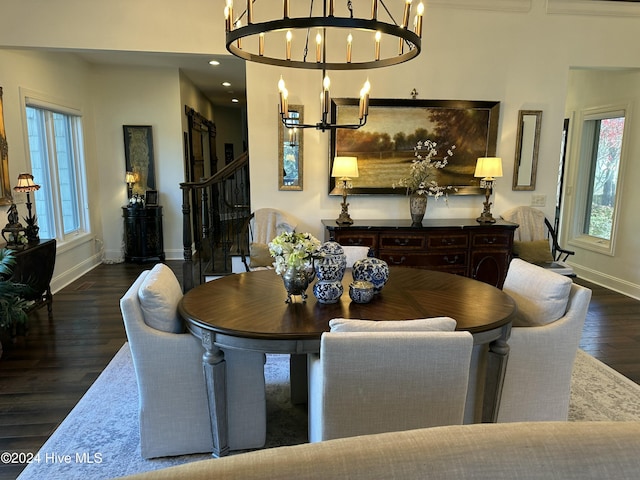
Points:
[(537, 450)]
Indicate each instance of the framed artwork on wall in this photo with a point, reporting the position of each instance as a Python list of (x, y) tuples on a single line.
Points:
[(5, 185), (138, 154), (151, 198), (385, 145)]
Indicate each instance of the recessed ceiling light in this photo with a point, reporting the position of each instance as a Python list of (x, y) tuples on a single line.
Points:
[(226, 84), (234, 100), (214, 62)]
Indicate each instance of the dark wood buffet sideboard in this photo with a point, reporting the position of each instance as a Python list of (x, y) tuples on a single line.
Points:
[(461, 246)]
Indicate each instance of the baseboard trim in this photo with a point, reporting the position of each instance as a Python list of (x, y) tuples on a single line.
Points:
[(607, 281)]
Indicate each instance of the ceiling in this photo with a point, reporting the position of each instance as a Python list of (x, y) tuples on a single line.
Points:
[(207, 78)]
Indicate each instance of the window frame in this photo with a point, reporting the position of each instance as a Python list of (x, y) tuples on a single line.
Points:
[(44, 102), (583, 177)]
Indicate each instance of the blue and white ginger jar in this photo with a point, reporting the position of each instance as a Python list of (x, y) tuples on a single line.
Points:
[(372, 270), (331, 262)]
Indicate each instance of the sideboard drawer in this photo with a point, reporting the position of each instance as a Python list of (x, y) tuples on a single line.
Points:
[(448, 240), (404, 242), (492, 239), (432, 261), (357, 239)]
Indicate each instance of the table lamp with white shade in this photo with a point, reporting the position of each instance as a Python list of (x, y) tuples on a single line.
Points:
[(344, 169), (488, 168)]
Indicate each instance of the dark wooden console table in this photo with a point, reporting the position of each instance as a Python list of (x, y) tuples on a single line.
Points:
[(143, 233), (460, 246), (34, 267)]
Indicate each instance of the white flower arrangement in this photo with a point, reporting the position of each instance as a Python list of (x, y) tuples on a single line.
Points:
[(291, 249), (421, 178)]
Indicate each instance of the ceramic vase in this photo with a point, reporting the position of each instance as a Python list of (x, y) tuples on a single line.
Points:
[(296, 281), (330, 267), (372, 270), (417, 206)]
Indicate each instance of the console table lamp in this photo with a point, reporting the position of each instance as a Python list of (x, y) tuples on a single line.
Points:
[(488, 168), (27, 185), (344, 169), (130, 178)]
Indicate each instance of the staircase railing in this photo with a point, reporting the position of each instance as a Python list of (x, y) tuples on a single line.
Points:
[(214, 210)]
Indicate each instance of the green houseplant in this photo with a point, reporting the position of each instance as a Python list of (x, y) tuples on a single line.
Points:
[(13, 306)]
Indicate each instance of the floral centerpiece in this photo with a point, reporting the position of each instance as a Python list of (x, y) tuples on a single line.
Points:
[(294, 254), (295, 250), (421, 178), (421, 181)]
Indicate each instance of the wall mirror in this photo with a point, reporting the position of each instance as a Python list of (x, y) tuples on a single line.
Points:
[(290, 148), (527, 145)]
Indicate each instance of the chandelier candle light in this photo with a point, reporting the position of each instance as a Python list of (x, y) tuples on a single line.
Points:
[(345, 168), (488, 168), (273, 42)]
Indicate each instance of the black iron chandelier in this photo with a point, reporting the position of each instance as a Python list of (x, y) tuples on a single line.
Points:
[(272, 42)]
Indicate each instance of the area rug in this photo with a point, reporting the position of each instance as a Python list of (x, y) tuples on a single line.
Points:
[(99, 439)]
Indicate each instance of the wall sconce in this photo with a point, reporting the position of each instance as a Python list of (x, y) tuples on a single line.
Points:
[(130, 178), (26, 185), (345, 168), (488, 168)]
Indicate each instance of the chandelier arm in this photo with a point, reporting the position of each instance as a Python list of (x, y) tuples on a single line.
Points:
[(388, 12)]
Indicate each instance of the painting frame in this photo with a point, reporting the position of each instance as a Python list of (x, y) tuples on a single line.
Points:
[(151, 198), (418, 120), (139, 156), (5, 183)]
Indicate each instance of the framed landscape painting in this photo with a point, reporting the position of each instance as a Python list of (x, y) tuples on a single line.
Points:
[(385, 145)]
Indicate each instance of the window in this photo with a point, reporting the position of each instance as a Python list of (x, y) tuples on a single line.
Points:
[(600, 161), (55, 147)]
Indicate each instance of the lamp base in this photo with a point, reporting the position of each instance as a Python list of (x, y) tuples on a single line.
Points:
[(344, 219), (486, 217)]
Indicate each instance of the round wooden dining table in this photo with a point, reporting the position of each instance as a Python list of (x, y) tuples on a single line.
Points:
[(248, 311)]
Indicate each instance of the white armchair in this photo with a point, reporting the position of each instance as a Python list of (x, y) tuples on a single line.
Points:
[(173, 405), (262, 227), (543, 344), (381, 381)]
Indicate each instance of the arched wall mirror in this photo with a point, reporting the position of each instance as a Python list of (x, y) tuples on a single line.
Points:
[(290, 148), (527, 146)]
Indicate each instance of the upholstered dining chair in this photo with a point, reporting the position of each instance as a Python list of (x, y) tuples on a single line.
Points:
[(380, 381), (263, 226), (173, 406), (543, 345), (355, 253)]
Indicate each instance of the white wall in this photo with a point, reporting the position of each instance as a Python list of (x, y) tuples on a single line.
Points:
[(64, 80), (515, 51), (591, 89), (521, 59), (139, 96)]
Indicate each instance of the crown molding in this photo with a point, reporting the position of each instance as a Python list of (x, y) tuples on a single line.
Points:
[(613, 8), (495, 5)]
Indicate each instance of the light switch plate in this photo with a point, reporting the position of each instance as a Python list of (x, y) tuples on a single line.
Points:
[(538, 200)]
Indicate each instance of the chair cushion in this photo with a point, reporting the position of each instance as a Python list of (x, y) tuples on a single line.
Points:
[(537, 251), (435, 324), (159, 295), (541, 295), (259, 255)]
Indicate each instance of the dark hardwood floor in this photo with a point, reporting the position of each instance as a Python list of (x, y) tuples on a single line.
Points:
[(44, 374)]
